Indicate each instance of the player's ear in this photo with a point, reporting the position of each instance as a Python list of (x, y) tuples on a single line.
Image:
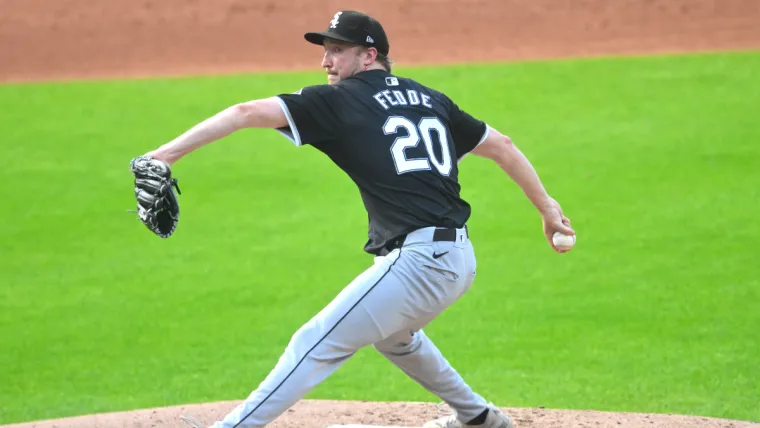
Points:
[(371, 56)]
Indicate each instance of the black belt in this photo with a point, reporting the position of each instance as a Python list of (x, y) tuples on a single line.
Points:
[(443, 234)]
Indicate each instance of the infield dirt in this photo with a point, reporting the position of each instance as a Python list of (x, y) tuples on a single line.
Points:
[(64, 39)]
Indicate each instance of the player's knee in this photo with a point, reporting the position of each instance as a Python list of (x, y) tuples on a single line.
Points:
[(400, 344), (313, 342), (399, 349)]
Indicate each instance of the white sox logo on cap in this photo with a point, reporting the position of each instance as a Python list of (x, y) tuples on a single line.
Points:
[(334, 22), (353, 27)]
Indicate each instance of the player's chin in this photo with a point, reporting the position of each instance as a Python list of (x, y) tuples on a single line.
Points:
[(333, 79)]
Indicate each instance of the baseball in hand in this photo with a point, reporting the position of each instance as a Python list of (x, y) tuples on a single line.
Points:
[(562, 241)]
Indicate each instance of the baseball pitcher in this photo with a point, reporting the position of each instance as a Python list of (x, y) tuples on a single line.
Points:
[(400, 142)]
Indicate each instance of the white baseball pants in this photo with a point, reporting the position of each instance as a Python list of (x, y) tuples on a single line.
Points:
[(386, 306)]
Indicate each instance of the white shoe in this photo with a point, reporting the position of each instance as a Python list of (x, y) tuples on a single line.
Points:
[(495, 419)]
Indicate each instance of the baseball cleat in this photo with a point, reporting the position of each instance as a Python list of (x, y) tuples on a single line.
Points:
[(495, 419)]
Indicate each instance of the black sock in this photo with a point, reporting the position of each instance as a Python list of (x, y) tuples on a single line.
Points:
[(480, 419)]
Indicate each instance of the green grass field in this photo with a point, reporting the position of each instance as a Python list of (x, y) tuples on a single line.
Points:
[(656, 161)]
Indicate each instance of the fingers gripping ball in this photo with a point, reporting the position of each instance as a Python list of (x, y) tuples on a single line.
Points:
[(562, 241), (157, 204)]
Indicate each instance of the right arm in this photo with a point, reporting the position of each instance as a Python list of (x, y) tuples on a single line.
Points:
[(264, 113), (505, 153), (304, 117)]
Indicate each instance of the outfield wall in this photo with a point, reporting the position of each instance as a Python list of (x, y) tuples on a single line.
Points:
[(44, 39)]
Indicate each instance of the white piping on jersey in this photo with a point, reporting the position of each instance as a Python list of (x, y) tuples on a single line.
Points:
[(483, 138), (295, 137), (485, 135)]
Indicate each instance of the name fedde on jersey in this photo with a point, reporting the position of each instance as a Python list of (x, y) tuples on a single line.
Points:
[(394, 97)]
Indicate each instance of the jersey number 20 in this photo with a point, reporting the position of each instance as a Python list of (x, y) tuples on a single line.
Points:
[(424, 129)]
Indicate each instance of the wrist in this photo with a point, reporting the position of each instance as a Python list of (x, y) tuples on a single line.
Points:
[(162, 155), (545, 205)]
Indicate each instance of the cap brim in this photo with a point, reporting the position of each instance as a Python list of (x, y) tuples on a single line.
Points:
[(318, 38)]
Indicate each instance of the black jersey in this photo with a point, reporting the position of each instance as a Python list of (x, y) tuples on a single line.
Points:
[(399, 141)]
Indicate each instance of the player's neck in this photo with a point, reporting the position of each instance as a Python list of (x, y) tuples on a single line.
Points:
[(374, 66)]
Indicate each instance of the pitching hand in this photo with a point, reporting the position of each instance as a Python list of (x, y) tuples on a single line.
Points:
[(554, 221)]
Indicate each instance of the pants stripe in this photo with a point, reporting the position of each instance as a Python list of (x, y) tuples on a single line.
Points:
[(319, 341)]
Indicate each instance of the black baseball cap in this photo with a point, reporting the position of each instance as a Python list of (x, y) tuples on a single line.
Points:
[(353, 27)]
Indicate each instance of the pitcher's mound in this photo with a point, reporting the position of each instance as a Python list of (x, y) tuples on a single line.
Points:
[(320, 414)]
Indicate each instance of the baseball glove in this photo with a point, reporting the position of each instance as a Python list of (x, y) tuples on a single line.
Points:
[(157, 205)]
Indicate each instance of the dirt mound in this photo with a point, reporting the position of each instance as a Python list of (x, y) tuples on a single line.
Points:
[(319, 414), (43, 39)]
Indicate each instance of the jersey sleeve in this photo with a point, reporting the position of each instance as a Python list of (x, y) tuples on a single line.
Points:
[(467, 131), (311, 115)]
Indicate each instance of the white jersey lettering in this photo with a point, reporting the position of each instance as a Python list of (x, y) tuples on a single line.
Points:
[(387, 94), (379, 98), (400, 97), (414, 99), (393, 98), (426, 101)]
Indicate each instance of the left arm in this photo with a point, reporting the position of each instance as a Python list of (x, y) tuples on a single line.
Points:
[(505, 153), (474, 136), (263, 113)]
